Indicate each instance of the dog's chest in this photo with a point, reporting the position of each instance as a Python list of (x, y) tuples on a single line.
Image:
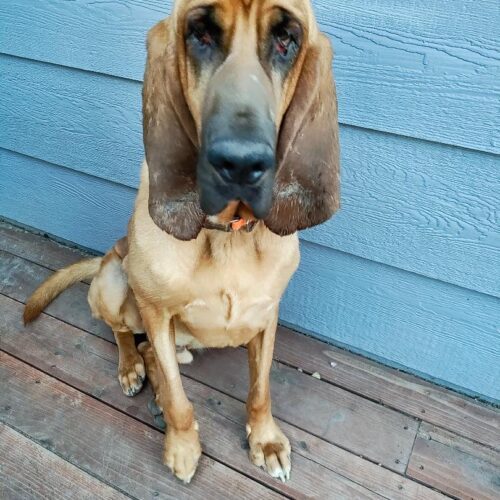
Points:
[(227, 316), (222, 288), (233, 291)]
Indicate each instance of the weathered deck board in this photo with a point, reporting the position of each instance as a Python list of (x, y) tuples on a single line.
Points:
[(378, 433), (107, 444), (19, 278), (321, 469), (409, 394), (370, 475), (32, 472), (393, 388), (71, 354), (326, 411), (455, 465), (37, 248)]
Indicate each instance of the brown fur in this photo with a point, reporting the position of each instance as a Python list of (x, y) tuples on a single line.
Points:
[(190, 287)]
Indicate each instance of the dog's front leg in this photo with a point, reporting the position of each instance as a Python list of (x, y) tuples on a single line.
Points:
[(182, 445), (269, 447)]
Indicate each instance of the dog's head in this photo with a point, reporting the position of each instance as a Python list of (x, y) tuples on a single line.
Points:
[(240, 116)]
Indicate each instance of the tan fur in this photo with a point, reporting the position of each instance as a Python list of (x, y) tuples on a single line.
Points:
[(208, 288), (219, 301), (57, 283), (131, 370), (215, 291)]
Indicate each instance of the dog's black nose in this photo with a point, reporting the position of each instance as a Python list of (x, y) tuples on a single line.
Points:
[(241, 162)]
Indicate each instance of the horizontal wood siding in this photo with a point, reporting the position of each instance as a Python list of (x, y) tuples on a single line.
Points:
[(77, 207), (426, 69), (407, 272), (412, 204)]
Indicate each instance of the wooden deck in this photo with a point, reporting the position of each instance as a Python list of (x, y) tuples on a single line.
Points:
[(362, 431)]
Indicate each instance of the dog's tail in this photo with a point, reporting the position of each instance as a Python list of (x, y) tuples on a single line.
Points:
[(57, 283)]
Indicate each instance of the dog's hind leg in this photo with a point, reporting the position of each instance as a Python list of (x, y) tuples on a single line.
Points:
[(131, 370), (111, 300)]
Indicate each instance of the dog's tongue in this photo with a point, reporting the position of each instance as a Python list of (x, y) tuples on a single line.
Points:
[(235, 210), (244, 212)]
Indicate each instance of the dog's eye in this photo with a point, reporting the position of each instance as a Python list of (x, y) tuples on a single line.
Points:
[(202, 32), (283, 40), (286, 37)]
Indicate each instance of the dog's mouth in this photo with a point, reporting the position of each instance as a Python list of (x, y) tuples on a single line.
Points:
[(236, 216), (235, 210), (228, 200)]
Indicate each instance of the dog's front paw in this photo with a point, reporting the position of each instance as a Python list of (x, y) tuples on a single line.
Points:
[(131, 374), (182, 452), (270, 449)]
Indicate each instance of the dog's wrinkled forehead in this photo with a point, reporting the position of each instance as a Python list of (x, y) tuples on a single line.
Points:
[(247, 17), (241, 29), (301, 8)]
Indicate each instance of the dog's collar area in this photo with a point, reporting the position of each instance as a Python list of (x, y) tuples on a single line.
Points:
[(234, 225)]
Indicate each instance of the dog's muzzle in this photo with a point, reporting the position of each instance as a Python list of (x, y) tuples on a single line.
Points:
[(236, 169), (237, 160)]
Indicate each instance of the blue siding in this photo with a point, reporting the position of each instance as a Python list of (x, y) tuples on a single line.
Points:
[(401, 205), (407, 272), (426, 69)]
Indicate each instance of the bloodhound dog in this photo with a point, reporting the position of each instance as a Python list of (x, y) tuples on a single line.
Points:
[(241, 143)]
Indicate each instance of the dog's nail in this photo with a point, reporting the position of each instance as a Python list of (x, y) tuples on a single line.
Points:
[(160, 422), (154, 408)]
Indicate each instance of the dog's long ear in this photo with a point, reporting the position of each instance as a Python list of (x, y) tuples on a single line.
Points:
[(306, 190), (169, 139)]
